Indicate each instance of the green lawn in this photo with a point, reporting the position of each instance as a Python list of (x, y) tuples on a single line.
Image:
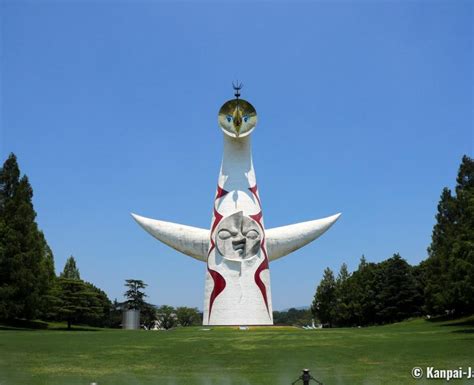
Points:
[(375, 355)]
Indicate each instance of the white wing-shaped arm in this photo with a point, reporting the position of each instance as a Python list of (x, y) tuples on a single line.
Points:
[(283, 240), (192, 241)]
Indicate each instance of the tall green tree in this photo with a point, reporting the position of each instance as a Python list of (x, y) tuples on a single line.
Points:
[(324, 302), (70, 269), (343, 312), (26, 261), (449, 269), (462, 268), (135, 296), (437, 296), (397, 295), (364, 286)]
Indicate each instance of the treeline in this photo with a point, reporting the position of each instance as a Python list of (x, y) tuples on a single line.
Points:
[(151, 316), (376, 293), (293, 317), (392, 290), (158, 317), (29, 287), (168, 317)]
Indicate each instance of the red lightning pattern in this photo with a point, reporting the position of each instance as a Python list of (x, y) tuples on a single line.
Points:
[(219, 286), (219, 281), (254, 191), (264, 265)]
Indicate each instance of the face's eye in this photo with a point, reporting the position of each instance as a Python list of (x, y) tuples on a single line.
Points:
[(224, 234), (252, 234), (246, 117), (229, 118)]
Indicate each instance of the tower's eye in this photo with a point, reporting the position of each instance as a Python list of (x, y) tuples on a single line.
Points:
[(246, 117), (229, 118)]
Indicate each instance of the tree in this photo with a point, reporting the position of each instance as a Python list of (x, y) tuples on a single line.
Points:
[(187, 316), (462, 257), (323, 306), (70, 269), (116, 314), (166, 317), (376, 293), (135, 296), (26, 261), (148, 315), (293, 317), (343, 307), (367, 281), (102, 317), (397, 295), (76, 302), (449, 269)]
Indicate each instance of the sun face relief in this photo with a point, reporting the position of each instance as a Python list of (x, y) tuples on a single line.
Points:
[(238, 237), (237, 118)]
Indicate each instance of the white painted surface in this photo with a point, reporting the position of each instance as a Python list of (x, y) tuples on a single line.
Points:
[(194, 241), (283, 240), (188, 240), (242, 301)]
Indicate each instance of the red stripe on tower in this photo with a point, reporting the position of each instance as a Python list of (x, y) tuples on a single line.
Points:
[(219, 286), (254, 191), (264, 265), (220, 192), (217, 218), (258, 218), (258, 280)]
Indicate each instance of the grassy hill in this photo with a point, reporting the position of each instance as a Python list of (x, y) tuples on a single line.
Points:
[(373, 355)]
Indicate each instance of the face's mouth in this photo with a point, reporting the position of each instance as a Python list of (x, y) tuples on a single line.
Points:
[(239, 246)]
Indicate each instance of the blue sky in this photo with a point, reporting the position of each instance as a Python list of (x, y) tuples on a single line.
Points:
[(365, 108)]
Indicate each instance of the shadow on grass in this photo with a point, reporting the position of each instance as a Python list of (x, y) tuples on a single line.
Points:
[(453, 321), (20, 324), (26, 325), (460, 322), (463, 331), (464, 322), (439, 319), (76, 329)]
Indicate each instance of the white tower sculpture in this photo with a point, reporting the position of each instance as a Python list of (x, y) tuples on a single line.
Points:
[(237, 248)]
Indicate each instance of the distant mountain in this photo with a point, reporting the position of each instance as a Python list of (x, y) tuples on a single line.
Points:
[(296, 307)]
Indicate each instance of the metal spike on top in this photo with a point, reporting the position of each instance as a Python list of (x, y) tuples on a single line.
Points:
[(237, 87)]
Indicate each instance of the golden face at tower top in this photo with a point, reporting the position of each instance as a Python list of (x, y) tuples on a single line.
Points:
[(237, 118)]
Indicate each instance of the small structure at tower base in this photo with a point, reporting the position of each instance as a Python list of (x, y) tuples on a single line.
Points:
[(131, 319)]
